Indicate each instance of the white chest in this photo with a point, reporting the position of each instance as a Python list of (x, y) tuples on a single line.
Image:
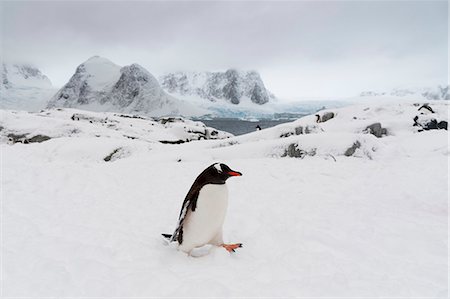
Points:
[(212, 201), (207, 219)]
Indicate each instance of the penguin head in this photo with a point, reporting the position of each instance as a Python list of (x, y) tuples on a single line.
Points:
[(218, 173), (224, 170)]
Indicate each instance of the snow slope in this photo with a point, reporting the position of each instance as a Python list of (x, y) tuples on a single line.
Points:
[(20, 126), (426, 93), (24, 87), (368, 224)]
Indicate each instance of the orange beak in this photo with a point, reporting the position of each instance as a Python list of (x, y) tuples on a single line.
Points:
[(234, 173)]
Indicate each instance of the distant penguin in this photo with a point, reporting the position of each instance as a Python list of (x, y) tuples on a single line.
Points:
[(203, 211), (258, 128)]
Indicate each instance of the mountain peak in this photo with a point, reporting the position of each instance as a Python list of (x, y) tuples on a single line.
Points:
[(23, 75), (100, 85), (96, 59)]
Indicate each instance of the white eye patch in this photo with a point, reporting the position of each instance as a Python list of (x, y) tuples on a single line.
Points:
[(217, 166)]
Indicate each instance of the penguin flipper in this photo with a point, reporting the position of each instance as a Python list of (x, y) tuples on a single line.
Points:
[(189, 205)]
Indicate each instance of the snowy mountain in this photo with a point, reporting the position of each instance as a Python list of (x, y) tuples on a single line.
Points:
[(324, 209), (231, 86), (428, 93), (100, 85), (24, 87)]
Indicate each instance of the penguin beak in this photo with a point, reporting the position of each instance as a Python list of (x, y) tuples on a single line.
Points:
[(234, 173)]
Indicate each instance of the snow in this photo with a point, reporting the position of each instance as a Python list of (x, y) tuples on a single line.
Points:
[(100, 85), (24, 87), (102, 73), (230, 86), (25, 98), (430, 93), (374, 224), (23, 75)]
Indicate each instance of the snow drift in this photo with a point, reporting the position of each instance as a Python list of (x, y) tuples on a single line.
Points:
[(326, 222)]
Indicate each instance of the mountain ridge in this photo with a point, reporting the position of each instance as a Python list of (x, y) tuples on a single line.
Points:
[(231, 86), (100, 85)]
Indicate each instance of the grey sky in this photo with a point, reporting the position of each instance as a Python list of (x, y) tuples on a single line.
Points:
[(333, 48)]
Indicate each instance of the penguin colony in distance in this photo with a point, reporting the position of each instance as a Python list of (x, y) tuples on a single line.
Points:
[(203, 211)]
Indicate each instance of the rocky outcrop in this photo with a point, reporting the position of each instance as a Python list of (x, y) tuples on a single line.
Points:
[(23, 138), (426, 120), (351, 150), (294, 151), (376, 129), (324, 117), (299, 130), (432, 124), (100, 85)]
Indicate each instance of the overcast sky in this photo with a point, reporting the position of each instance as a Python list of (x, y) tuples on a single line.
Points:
[(300, 48)]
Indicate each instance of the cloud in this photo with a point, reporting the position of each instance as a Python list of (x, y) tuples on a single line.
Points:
[(301, 48)]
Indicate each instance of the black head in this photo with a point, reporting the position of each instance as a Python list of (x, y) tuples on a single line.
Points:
[(217, 173)]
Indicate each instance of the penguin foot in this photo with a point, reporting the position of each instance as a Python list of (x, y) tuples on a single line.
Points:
[(231, 247)]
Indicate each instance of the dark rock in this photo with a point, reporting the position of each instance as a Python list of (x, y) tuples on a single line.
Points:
[(325, 117), (257, 95), (294, 152), (110, 156), (38, 139), (230, 90), (376, 129), (430, 124), (22, 138), (173, 142), (301, 130), (308, 130), (130, 116), (16, 138), (443, 125), (130, 137), (351, 150), (287, 134)]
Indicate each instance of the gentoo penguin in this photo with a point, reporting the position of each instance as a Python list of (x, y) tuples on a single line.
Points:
[(203, 211)]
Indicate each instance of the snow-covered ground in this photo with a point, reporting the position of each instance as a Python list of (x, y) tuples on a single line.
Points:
[(372, 221)]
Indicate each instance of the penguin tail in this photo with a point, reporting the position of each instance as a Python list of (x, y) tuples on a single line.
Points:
[(167, 236)]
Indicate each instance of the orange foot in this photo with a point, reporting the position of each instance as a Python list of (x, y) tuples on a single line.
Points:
[(231, 247)]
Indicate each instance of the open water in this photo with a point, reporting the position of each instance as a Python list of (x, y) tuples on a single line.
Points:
[(239, 127)]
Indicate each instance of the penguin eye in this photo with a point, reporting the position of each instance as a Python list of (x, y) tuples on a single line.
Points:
[(225, 168)]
